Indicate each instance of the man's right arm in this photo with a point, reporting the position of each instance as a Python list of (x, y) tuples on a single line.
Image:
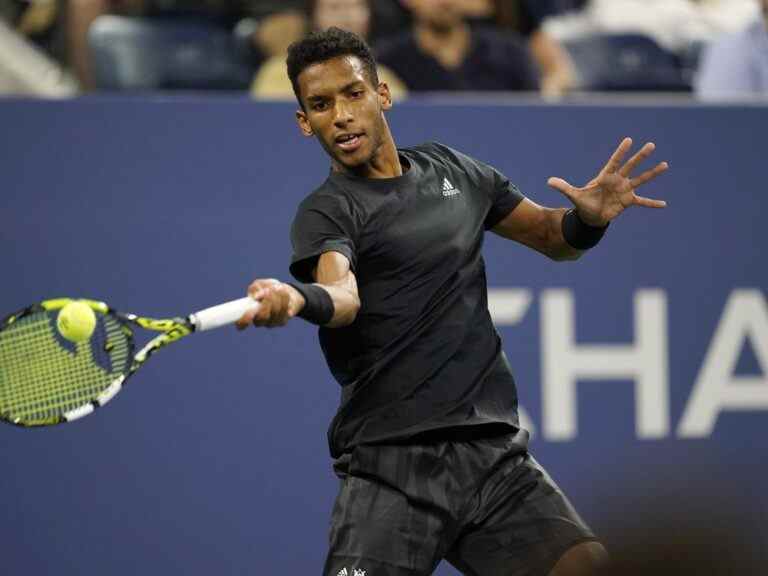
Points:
[(334, 274), (280, 301)]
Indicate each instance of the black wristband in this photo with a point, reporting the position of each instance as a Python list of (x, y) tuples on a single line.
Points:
[(578, 234), (319, 308)]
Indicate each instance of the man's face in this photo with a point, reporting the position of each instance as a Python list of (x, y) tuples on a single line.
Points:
[(350, 15), (435, 13), (343, 110)]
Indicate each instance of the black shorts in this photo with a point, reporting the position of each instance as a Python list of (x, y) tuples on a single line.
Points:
[(483, 504)]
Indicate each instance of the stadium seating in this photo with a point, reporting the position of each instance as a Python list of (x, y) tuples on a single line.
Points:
[(165, 54), (612, 62)]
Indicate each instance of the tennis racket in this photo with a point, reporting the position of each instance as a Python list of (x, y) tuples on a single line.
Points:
[(46, 379)]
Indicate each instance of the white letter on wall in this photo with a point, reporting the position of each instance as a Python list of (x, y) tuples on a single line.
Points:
[(564, 363), (716, 388)]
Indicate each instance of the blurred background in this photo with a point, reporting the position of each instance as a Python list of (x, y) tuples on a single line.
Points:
[(711, 48), (149, 157)]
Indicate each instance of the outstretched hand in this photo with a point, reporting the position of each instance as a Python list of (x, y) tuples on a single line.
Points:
[(613, 189)]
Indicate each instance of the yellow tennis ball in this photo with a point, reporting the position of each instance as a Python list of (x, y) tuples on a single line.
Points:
[(76, 322)]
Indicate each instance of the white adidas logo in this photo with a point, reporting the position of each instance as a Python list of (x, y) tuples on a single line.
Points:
[(355, 572), (448, 189)]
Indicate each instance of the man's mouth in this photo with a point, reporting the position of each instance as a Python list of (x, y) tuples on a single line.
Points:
[(349, 142)]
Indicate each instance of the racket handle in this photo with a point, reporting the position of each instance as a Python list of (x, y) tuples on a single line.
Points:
[(223, 314)]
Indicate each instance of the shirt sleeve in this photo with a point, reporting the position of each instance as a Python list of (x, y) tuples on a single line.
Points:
[(323, 223), (505, 197)]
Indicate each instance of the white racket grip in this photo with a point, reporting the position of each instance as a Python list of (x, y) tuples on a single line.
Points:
[(223, 314)]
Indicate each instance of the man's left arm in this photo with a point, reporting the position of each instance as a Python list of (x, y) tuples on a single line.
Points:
[(563, 234)]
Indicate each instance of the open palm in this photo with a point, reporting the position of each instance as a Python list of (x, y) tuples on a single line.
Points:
[(613, 189)]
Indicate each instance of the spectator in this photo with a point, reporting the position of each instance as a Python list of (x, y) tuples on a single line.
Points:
[(80, 16), (675, 25), (277, 28), (442, 52), (30, 50), (279, 23), (271, 81), (736, 65), (38, 21), (525, 17), (388, 17)]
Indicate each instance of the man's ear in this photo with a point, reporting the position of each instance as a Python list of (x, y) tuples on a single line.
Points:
[(303, 121), (385, 97)]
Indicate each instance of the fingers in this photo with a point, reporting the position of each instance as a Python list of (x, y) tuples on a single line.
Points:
[(633, 162), (257, 290), (274, 300), (649, 175), (259, 287), (615, 160), (649, 203), (561, 186), (245, 320)]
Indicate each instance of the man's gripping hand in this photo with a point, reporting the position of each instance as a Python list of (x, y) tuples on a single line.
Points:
[(279, 303)]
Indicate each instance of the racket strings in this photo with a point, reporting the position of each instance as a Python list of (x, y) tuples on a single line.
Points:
[(43, 376)]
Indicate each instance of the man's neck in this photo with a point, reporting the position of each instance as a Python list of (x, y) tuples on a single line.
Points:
[(448, 45)]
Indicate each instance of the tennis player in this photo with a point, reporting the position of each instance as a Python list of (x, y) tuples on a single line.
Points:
[(387, 256)]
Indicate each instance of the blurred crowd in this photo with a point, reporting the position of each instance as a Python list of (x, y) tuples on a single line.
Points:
[(713, 48)]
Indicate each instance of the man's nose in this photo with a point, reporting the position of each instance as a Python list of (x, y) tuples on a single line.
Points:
[(343, 113)]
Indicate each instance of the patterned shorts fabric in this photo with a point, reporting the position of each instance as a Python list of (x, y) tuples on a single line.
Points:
[(483, 504)]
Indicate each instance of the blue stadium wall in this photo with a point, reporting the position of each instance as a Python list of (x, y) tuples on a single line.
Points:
[(642, 368)]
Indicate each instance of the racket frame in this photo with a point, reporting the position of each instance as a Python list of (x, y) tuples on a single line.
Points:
[(171, 330)]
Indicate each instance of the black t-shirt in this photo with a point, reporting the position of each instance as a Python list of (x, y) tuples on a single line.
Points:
[(495, 61), (422, 353)]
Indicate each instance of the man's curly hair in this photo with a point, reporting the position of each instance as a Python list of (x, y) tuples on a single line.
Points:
[(322, 46)]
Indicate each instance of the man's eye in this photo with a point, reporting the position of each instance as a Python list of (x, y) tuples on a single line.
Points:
[(357, 93), (319, 106)]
